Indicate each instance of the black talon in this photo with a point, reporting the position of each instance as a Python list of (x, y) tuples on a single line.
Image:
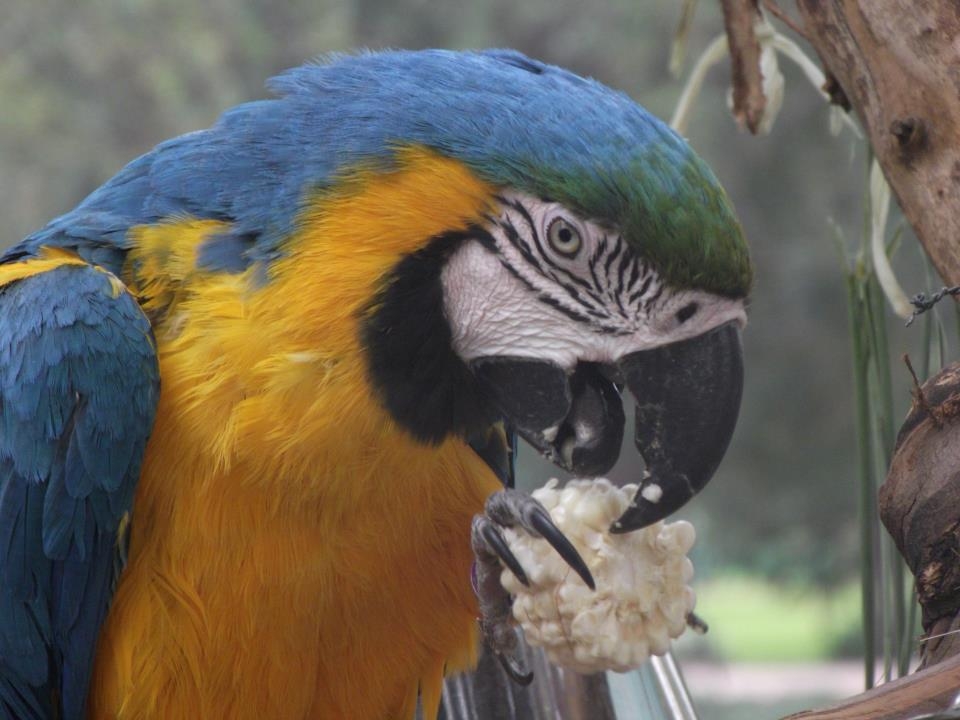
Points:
[(541, 522), (514, 671), (511, 508), (499, 545)]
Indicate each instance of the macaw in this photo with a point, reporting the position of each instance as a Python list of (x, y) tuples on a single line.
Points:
[(259, 391)]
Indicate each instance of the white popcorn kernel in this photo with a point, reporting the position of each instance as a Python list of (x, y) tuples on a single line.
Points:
[(642, 598)]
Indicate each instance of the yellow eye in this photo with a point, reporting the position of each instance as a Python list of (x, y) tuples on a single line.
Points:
[(564, 238)]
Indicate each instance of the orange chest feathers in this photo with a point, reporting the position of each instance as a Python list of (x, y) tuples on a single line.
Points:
[(294, 553)]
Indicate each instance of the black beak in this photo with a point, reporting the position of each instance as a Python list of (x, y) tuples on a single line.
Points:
[(576, 421), (688, 399)]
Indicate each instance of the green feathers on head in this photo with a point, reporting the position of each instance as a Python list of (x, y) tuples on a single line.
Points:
[(671, 210)]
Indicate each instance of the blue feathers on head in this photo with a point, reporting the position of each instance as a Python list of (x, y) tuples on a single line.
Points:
[(513, 121)]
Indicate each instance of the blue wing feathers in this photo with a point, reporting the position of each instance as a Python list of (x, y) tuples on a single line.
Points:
[(63, 520), (78, 390), (81, 607)]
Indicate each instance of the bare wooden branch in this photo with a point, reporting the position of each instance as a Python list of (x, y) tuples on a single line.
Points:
[(749, 102), (927, 691), (898, 64), (778, 12)]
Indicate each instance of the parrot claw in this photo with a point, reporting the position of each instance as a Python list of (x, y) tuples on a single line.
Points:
[(541, 522), (490, 548), (496, 542), (514, 669), (511, 508)]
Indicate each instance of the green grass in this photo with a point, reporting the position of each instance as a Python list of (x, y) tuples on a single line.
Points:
[(753, 620)]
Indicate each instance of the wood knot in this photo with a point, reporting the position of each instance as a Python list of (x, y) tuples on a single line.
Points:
[(910, 133)]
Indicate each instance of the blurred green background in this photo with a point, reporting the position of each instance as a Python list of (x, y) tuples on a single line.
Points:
[(86, 87)]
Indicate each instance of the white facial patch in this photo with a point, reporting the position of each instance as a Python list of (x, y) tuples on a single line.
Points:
[(556, 287), (492, 313)]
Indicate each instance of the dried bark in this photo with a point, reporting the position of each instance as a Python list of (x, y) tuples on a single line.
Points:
[(927, 691), (920, 507), (898, 65), (749, 102)]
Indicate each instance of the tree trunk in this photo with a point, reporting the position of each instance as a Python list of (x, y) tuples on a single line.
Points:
[(898, 66), (920, 507)]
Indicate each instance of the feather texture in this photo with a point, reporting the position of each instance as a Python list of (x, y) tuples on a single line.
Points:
[(78, 388), (513, 121), (294, 550), (292, 547)]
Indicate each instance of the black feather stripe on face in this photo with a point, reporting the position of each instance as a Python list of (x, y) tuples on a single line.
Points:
[(424, 384), (421, 381), (600, 291), (572, 283)]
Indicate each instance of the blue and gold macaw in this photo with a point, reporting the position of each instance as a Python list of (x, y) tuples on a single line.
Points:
[(255, 389)]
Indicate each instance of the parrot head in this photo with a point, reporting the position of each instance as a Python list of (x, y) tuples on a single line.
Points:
[(556, 313), (604, 256)]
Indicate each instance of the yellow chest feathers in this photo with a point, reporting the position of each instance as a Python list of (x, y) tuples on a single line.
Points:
[(292, 546), (272, 356)]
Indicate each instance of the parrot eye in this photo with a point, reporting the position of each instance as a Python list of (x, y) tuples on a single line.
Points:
[(563, 237)]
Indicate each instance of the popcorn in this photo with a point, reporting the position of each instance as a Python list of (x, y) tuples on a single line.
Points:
[(642, 598)]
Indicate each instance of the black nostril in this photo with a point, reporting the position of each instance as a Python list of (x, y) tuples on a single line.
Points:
[(687, 312)]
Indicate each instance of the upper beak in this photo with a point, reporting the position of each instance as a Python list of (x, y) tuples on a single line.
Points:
[(688, 398)]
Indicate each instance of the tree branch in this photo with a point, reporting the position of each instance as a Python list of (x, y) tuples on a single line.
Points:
[(749, 101), (775, 10), (927, 691), (898, 65)]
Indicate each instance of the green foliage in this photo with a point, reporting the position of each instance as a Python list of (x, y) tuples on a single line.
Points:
[(889, 605)]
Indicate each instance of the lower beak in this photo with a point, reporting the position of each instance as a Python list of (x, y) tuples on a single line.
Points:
[(576, 421)]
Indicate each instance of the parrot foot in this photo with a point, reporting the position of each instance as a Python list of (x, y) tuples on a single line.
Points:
[(511, 508)]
